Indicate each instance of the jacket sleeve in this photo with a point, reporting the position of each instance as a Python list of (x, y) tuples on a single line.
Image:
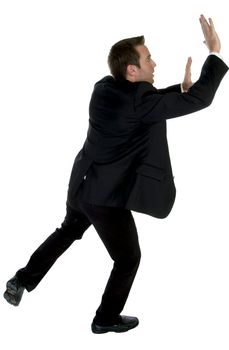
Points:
[(152, 106)]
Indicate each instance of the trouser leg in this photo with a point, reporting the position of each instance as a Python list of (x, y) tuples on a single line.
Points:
[(73, 227), (117, 230)]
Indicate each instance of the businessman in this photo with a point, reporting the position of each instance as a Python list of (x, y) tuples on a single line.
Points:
[(123, 165)]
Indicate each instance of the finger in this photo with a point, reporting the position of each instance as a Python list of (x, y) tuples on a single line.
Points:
[(211, 24), (203, 27), (204, 24), (189, 63), (203, 19)]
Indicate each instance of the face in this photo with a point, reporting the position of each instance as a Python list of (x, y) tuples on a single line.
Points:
[(147, 65)]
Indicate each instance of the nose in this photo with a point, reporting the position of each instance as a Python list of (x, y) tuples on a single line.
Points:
[(153, 64)]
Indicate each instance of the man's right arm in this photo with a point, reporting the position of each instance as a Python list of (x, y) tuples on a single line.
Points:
[(153, 107)]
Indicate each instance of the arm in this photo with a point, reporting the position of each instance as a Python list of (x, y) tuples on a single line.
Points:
[(152, 107), (212, 42)]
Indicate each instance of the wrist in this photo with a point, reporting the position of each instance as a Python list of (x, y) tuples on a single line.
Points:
[(216, 54), (183, 87), (216, 51)]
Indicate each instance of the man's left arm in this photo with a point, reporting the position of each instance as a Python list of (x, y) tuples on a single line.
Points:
[(187, 82), (152, 106)]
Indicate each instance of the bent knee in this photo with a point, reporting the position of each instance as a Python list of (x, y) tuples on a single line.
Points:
[(130, 263)]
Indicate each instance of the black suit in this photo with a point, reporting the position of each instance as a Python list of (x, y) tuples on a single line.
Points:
[(125, 159), (124, 165)]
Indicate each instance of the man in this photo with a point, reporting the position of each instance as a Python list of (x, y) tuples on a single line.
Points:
[(124, 165)]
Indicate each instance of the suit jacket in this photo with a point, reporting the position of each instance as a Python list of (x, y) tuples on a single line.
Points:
[(125, 159)]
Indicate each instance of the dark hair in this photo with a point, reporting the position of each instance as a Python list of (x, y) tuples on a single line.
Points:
[(122, 54)]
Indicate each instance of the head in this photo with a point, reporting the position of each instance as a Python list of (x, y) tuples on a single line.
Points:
[(130, 59)]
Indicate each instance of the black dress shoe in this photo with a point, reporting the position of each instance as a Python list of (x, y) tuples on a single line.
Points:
[(14, 291), (124, 324)]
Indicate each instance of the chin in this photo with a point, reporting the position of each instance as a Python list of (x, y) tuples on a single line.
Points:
[(151, 80)]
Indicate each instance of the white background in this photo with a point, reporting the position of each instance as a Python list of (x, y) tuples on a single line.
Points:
[(51, 54)]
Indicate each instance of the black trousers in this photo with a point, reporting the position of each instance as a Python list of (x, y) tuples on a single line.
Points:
[(117, 230)]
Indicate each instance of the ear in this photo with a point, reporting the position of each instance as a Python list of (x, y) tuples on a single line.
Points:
[(131, 70)]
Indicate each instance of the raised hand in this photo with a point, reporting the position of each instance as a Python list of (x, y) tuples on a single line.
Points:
[(187, 82), (211, 38)]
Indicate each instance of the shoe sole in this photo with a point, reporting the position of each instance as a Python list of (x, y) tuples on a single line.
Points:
[(116, 329)]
